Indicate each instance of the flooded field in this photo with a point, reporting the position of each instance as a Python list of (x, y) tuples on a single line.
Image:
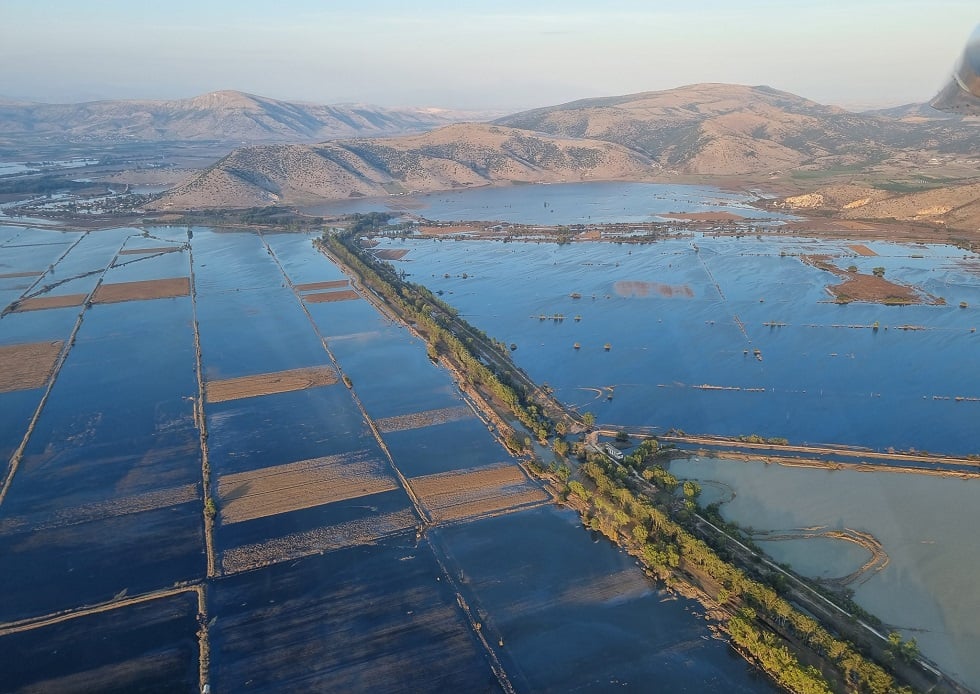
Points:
[(561, 203), (216, 477), (925, 526), (728, 335), (738, 336)]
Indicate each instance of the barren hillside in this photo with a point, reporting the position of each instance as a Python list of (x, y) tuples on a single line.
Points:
[(450, 157), (724, 129), (956, 207)]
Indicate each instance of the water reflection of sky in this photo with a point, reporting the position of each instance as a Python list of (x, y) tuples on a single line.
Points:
[(562, 203), (697, 312)]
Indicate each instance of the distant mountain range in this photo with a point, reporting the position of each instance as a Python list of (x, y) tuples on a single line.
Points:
[(228, 116), (727, 129), (757, 133)]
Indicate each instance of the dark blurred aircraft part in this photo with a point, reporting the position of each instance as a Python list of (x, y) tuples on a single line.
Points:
[(962, 93)]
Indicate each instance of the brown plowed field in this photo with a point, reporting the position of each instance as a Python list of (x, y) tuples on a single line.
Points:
[(316, 541), (391, 253), (331, 284), (418, 420), (39, 303), (480, 491), (270, 491), (146, 289), (27, 366), (326, 297), (268, 384)]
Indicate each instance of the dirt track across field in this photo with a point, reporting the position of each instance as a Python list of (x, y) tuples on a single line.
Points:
[(269, 384)]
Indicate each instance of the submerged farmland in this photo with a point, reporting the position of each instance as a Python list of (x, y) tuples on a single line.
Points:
[(226, 468)]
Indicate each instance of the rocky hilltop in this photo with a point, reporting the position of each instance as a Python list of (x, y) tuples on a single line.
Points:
[(227, 116)]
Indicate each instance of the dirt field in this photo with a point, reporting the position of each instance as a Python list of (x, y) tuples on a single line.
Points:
[(418, 420), (316, 541), (307, 483), (27, 366), (268, 384), (331, 284), (642, 289), (39, 303), (476, 492), (878, 290), (327, 297), (868, 288), (14, 275), (149, 251), (861, 249), (146, 289), (391, 253)]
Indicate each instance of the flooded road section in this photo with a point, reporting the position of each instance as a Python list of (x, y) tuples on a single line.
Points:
[(225, 467)]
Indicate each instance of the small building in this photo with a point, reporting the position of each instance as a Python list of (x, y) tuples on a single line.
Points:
[(613, 452)]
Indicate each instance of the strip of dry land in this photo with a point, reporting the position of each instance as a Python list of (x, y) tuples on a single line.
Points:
[(273, 490), (40, 303), (149, 251), (27, 366), (869, 288), (328, 297), (476, 492), (352, 533), (142, 290), (270, 383), (419, 420), (329, 284)]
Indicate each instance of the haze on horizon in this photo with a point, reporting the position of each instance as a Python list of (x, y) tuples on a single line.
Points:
[(470, 56)]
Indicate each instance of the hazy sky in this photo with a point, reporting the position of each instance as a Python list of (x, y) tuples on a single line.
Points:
[(492, 54)]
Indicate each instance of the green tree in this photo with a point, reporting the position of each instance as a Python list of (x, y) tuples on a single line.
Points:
[(588, 419), (561, 447)]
